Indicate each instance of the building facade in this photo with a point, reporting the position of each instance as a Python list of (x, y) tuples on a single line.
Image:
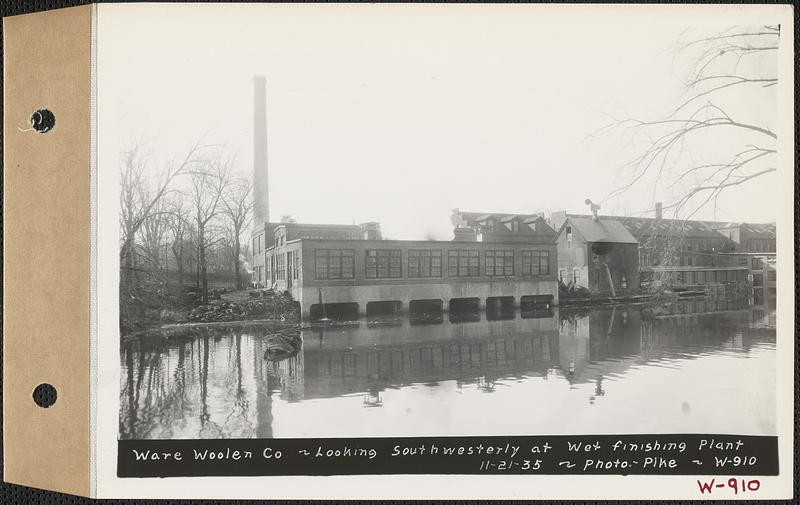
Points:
[(715, 257), (325, 274), (761, 269), (275, 235), (670, 242), (598, 254), (749, 238)]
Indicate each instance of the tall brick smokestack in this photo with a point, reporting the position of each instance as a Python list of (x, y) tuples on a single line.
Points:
[(260, 170)]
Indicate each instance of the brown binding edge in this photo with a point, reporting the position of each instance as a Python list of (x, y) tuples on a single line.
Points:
[(46, 226)]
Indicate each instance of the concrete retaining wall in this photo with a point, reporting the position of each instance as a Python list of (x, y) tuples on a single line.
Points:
[(361, 295)]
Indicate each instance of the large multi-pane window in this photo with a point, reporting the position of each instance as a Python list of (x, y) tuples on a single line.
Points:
[(271, 267), (383, 264), (423, 263), (296, 265), (280, 267), (463, 263), (535, 262), (334, 264), (499, 263)]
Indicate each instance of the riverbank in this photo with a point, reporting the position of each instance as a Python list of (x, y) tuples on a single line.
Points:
[(254, 307), (628, 299)]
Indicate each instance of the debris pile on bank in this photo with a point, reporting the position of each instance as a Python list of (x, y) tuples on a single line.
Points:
[(271, 306), (572, 290)]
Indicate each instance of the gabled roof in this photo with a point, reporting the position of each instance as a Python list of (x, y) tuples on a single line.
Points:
[(643, 227), (472, 219), (646, 227), (602, 230)]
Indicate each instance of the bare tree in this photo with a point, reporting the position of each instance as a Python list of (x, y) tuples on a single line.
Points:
[(735, 67), (143, 224), (207, 188), (238, 207), (153, 231), (180, 228), (137, 200), (708, 142), (132, 186)]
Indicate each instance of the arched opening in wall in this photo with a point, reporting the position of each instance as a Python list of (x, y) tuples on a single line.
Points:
[(384, 312), (536, 306), (500, 308), (425, 312), (334, 312), (462, 310)]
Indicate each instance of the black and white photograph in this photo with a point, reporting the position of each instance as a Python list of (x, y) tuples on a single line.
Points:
[(366, 222)]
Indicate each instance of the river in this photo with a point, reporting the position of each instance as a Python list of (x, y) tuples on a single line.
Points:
[(704, 366)]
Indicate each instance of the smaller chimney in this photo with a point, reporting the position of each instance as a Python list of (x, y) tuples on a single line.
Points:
[(659, 210)]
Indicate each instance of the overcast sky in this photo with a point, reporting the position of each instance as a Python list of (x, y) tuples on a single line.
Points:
[(400, 113)]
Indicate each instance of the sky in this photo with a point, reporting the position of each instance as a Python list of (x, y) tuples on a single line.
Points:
[(400, 113)]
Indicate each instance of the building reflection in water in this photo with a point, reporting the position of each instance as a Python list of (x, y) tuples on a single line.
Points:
[(215, 383)]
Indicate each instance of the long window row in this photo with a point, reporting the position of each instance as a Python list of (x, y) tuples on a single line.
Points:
[(332, 264)]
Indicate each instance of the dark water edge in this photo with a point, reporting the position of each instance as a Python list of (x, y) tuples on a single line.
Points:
[(688, 368)]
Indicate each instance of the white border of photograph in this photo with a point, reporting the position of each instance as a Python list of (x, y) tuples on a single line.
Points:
[(107, 376)]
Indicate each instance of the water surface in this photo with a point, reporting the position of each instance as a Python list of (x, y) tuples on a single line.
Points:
[(700, 367)]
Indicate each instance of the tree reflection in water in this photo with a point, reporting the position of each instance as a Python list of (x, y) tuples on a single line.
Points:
[(216, 383)]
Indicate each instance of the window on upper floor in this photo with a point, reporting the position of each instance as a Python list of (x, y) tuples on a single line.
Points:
[(535, 262), (334, 264), (383, 264), (499, 263), (424, 263), (464, 263)]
